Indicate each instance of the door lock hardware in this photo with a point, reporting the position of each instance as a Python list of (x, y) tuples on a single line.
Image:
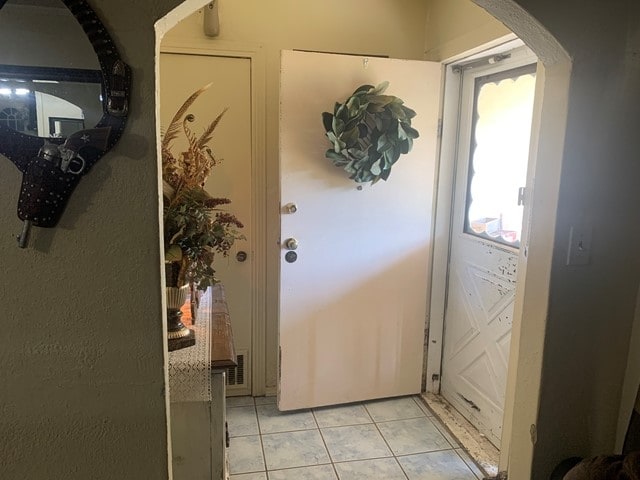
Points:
[(241, 256), (290, 208), (291, 244), (291, 257)]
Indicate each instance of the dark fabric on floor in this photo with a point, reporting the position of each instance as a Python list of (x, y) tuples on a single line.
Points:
[(563, 468), (607, 467)]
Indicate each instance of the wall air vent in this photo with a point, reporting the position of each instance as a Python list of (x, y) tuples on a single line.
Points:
[(236, 375)]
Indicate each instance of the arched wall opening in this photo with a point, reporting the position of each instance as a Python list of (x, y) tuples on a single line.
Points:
[(535, 263), (532, 298)]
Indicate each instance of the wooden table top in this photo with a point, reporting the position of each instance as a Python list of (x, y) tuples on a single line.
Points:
[(223, 352)]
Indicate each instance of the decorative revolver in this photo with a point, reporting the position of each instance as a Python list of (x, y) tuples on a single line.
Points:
[(49, 178)]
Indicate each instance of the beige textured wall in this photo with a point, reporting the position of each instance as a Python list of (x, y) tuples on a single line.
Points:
[(456, 26), (81, 350), (44, 36), (591, 308), (291, 24)]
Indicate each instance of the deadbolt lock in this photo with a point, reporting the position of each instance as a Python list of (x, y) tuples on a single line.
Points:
[(291, 257)]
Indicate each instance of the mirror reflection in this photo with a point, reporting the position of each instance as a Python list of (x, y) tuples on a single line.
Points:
[(50, 82), (49, 102)]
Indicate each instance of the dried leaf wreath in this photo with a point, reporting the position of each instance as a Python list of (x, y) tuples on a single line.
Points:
[(369, 132)]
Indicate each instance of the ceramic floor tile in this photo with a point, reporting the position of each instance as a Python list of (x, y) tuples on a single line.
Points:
[(319, 472), (415, 435), (443, 465), (294, 449), (264, 400), (423, 407), (245, 455), (242, 421), (239, 401), (471, 464), (394, 409), (445, 433), (273, 421), (249, 476), (358, 442), (341, 416), (379, 469)]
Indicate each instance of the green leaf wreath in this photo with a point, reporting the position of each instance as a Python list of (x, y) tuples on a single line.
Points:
[(369, 132)]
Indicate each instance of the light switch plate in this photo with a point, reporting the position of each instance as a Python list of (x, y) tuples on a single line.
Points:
[(579, 245)]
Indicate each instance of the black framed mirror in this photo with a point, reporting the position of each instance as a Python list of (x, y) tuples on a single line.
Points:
[(63, 99)]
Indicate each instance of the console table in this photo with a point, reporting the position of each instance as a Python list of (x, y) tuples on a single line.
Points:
[(197, 378)]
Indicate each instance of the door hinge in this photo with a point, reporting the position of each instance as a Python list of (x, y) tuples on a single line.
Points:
[(521, 193), (439, 132), (279, 364)]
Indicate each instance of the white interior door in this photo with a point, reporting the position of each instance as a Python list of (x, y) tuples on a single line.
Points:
[(180, 76), (495, 126), (353, 304)]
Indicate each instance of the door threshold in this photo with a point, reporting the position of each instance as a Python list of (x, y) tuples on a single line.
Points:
[(483, 452)]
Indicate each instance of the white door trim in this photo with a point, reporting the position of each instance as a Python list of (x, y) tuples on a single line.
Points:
[(255, 54)]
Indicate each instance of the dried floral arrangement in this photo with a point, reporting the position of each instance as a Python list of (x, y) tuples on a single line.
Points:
[(196, 228)]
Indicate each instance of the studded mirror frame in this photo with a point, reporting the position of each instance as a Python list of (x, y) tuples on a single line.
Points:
[(53, 167)]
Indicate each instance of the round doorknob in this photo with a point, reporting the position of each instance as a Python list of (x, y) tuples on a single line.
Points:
[(291, 243), (241, 256), (290, 208)]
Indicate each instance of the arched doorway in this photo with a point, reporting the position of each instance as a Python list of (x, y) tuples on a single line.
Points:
[(531, 300)]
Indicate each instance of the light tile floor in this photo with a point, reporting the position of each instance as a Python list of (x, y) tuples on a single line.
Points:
[(393, 439)]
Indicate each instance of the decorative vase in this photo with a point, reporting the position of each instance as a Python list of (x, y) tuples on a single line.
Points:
[(178, 335)]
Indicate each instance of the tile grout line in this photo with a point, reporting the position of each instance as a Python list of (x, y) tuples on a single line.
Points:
[(426, 416), (324, 442), (466, 463), (389, 447), (264, 455), (443, 428)]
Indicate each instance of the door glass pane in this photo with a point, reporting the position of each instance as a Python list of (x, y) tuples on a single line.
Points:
[(499, 155)]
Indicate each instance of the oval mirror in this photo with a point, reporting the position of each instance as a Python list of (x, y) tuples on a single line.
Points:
[(63, 100), (50, 82)]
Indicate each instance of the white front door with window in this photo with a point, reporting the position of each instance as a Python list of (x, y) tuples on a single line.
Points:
[(493, 151), (353, 303)]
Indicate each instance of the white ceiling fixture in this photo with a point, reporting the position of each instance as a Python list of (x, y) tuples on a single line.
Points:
[(211, 19)]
